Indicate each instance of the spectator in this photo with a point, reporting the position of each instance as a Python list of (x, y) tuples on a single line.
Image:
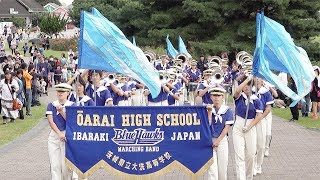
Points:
[(20, 92), (294, 110), (202, 64), (28, 78), (43, 69), (315, 93), (25, 49), (57, 75), (8, 87)]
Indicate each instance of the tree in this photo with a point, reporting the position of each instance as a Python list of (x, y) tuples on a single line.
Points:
[(51, 24), (208, 26), (18, 22)]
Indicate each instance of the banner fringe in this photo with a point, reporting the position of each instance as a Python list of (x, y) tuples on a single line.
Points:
[(151, 176)]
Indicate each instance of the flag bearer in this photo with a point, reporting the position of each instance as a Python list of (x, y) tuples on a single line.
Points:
[(220, 119), (244, 131)]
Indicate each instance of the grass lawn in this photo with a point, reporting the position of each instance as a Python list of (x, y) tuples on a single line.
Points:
[(47, 53), (307, 122), (11, 131)]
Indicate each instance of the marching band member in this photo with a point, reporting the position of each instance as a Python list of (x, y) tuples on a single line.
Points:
[(80, 97), (275, 95), (138, 97), (56, 142), (173, 97), (194, 75), (162, 98), (205, 86), (123, 99), (102, 96), (163, 65), (244, 135), (220, 119), (261, 127)]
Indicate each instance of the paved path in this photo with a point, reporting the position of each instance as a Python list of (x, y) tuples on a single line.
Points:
[(294, 154)]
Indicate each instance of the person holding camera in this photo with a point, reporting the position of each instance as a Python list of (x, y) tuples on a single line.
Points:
[(8, 87)]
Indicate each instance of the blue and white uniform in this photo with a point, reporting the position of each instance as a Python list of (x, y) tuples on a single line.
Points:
[(81, 101), (103, 96), (160, 100), (56, 147), (206, 97), (220, 117), (245, 143), (123, 100), (266, 99), (161, 66), (171, 100)]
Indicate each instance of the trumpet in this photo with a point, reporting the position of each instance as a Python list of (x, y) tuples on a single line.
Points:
[(112, 78)]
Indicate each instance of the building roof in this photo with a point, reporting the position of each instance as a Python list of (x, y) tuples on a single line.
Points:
[(54, 5), (7, 4), (32, 5)]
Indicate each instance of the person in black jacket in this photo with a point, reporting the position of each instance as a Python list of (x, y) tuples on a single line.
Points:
[(315, 93), (294, 110)]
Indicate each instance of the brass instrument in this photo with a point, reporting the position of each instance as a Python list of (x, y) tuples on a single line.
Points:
[(215, 59), (245, 60), (151, 56), (183, 57), (217, 77), (112, 78)]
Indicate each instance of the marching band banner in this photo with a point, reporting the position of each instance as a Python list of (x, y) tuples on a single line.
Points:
[(138, 142)]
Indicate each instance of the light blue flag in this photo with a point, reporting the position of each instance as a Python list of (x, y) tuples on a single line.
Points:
[(275, 50), (171, 51), (104, 47), (182, 48), (134, 41)]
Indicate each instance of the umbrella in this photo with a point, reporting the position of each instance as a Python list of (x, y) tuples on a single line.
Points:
[(35, 40)]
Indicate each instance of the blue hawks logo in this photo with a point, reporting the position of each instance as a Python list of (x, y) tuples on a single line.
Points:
[(139, 136)]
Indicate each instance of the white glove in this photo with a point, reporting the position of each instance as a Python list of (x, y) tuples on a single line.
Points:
[(205, 83), (76, 73), (245, 129), (250, 77)]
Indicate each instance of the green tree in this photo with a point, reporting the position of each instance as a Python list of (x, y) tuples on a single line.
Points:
[(51, 24), (18, 22), (208, 26)]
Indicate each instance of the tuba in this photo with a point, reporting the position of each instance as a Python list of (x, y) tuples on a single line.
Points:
[(151, 56), (245, 60), (215, 59), (183, 57)]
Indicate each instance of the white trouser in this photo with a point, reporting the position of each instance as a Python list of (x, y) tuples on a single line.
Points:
[(261, 143), (218, 170), (161, 103), (181, 98), (268, 130), (268, 125), (137, 98), (123, 103), (57, 152), (245, 145)]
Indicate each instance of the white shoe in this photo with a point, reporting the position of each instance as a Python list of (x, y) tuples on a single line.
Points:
[(258, 171), (266, 153)]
